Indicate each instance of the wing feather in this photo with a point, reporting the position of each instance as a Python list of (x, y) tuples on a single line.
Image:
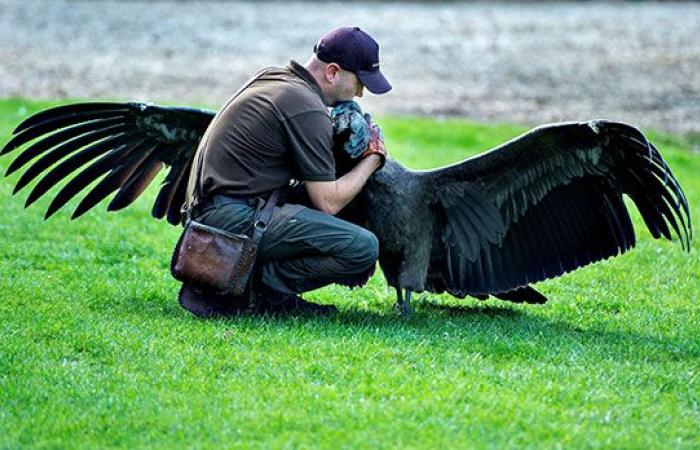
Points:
[(92, 173), (126, 144), (59, 137), (173, 216), (167, 192), (115, 179), (526, 294), (557, 194), (74, 112), (64, 149), (48, 126), (74, 162), (137, 182)]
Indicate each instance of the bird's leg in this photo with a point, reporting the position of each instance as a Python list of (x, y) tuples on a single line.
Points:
[(403, 304), (406, 310)]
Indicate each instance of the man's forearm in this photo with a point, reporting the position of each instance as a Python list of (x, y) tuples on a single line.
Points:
[(332, 198), (350, 184)]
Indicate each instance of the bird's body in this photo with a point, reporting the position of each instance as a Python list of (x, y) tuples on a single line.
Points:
[(390, 206), (411, 214), (394, 206), (536, 207)]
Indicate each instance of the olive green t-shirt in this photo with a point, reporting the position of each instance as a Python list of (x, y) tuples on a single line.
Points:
[(272, 131)]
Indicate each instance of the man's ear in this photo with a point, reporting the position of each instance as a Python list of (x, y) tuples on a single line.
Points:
[(332, 72)]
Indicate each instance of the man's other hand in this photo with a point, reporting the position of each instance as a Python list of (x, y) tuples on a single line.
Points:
[(376, 145)]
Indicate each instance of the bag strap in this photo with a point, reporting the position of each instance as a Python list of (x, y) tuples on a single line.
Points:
[(197, 193), (262, 217), (260, 221)]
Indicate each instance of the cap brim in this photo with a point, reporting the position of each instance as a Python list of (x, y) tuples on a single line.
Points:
[(374, 81)]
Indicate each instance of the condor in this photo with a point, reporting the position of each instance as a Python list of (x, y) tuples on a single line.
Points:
[(536, 207)]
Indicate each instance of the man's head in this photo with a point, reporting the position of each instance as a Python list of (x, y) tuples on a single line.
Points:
[(345, 60)]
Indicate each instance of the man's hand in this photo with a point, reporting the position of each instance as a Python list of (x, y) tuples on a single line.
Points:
[(376, 146)]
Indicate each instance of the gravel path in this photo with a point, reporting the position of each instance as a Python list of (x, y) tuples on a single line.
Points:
[(528, 63)]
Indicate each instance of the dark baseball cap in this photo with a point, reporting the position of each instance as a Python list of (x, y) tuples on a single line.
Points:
[(355, 51)]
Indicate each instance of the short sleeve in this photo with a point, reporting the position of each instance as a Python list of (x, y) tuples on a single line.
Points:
[(310, 140)]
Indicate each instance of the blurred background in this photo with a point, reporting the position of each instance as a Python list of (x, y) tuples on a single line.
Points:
[(526, 63)]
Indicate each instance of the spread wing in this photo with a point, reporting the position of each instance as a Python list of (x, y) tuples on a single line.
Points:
[(123, 145), (548, 202)]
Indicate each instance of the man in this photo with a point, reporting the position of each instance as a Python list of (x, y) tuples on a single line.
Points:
[(276, 129)]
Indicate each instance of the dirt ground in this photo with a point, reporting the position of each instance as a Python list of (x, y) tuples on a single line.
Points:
[(516, 62)]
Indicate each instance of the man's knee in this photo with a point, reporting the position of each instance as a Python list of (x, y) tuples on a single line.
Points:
[(364, 251)]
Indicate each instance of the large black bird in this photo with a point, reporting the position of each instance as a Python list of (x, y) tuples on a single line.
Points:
[(536, 207)]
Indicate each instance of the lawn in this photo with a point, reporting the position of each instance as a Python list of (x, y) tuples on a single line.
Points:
[(96, 352)]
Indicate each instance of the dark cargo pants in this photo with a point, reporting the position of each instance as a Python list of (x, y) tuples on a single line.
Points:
[(303, 248)]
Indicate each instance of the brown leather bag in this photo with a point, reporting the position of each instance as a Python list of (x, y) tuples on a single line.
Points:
[(216, 260), (213, 259)]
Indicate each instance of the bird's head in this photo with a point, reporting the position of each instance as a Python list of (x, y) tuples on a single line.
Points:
[(353, 132)]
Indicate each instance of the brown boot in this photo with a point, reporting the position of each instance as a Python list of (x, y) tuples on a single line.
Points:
[(207, 305)]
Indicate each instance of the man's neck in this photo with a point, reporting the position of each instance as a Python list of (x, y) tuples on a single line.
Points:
[(316, 71)]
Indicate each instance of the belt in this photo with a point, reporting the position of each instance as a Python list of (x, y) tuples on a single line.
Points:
[(251, 200), (233, 198), (245, 197), (255, 201)]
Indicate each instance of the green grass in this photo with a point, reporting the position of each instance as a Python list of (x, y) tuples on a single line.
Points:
[(96, 352)]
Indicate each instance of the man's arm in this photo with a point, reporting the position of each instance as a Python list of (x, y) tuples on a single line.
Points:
[(332, 196)]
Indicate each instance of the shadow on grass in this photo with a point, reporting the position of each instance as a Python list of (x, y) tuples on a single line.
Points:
[(505, 332), (471, 310)]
